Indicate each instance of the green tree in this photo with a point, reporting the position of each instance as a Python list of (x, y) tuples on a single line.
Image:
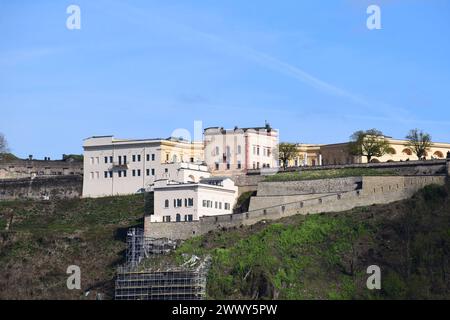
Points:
[(419, 142), (370, 143), (287, 151)]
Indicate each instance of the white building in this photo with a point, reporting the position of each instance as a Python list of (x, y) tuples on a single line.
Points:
[(118, 167), (234, 151), (175, 201)]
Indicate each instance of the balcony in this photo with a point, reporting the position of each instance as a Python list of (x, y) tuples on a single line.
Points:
[(119, 166)]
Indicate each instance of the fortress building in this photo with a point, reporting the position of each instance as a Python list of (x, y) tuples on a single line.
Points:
[(235, 151), (117, 166), (188, 201), (338, 153)]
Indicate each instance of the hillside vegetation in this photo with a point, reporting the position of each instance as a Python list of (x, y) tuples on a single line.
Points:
[(321, 256), (45, 237), (326, 256), (328, 174)]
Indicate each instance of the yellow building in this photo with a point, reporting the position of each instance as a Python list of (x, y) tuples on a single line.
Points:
[(338, 153)]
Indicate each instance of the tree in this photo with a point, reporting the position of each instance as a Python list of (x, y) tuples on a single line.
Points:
[(370, 143), (3, 144), (287, 151), (419, 142)]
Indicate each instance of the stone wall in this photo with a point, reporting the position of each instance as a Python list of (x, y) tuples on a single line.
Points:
[(375, 190), (41, 188), (18, 169), (281, 188)]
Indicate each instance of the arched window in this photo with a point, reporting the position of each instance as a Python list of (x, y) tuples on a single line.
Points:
[(178, 217), (407, 151), (438, 154), (166, 203)]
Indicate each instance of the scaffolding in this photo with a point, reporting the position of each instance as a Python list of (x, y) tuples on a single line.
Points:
[(150, 274)]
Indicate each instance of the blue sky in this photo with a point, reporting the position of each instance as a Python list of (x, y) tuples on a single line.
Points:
[(141, 69)]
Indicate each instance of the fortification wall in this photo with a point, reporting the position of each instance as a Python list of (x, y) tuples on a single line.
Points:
[(375, 190), (41, 187), (281, 188), (19, 169)]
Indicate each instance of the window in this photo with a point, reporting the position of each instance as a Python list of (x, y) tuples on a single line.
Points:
[(257, 151), (166, 219), (139, 172), (106, 159), (124, 173), (254, 165), (106, 174), (185, 202), (179, 202), (134, 173), (191, 159), (228, 166), (139, 158), (148, 157), (120, 160), (217, 166), (147, 172), (134, 158), (124, 159), (178, 217), (110, 174), (257, 165), (216, 205), (92, 160), (166, 203), (167, 157), (190, 202), (220, 205), (239, 164), (166, 170), (227, 206), (189, 217), (111, 159), (153, 172), (204, 203), (119, 173), (153, 157)]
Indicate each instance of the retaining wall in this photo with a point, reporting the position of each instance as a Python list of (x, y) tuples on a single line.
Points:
[(375, 190), (41, 187)]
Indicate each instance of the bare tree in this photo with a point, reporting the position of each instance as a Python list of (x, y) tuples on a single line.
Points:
[(370, 143), (3, 144), (419, 142)]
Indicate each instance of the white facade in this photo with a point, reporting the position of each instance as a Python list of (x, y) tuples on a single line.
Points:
[(119, 167), (175, 202), (230, 152)]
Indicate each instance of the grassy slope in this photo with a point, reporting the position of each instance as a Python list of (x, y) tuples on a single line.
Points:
[(325, 256), (46, 237), (314, 257), (327, 174)]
